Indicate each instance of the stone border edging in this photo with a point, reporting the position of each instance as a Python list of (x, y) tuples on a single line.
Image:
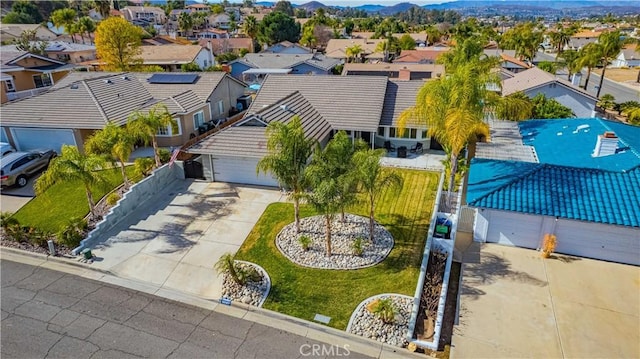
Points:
[(266, 276), (393, 244), (366, 300)]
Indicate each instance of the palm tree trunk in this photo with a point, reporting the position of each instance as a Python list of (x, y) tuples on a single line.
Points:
[(452, 175), (604, 68), (155, 152), (124, 174), (371, 212), (296, 213), (342, 215), (586, 82), (90, 200), (328, 234)]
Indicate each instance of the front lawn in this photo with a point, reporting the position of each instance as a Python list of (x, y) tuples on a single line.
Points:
[(63, 201), (303, 292)]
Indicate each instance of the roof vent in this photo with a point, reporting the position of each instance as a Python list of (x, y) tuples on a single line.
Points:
[(284, 107), (125, 77), (606, 145), (107, 81), (74, 86)]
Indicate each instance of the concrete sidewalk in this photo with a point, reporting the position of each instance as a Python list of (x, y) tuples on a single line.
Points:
[(174, 240)]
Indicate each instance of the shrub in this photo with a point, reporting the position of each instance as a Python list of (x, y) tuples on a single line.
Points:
[(305, 242), (358, 246), (36, 236), (143, 166), (247, 274), (113, 198), (164, 154), (7, 220), (383, 309), (72, 233), (238, 274), (14, 232), (548, 245)]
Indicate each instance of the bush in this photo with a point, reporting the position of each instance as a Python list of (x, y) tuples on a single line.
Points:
[(548, 245), (7, 220), (113, 198), (247, 274), (383, 309), (358, 246), (73, 232), (164, 154), (143, 166), (305, 242), (14, 232), (36, 236)]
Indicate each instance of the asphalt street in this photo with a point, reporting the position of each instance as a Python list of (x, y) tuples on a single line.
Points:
[(50, 314), (620, 92)]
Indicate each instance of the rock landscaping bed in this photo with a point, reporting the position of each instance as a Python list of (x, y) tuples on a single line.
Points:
[(252, 292), (369, 323), (343, 236)]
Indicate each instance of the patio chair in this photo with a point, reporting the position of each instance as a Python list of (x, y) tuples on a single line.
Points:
[(417, 148), (389, 147)]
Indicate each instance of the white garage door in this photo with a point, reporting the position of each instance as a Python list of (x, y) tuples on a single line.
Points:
[(35, 138), (599, 241), (240, 170), (514, 229)]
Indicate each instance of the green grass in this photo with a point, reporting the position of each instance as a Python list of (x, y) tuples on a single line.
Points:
[(63, 201), (303, 292)]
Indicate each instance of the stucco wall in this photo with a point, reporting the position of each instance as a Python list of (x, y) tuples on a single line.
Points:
[(581, 105)]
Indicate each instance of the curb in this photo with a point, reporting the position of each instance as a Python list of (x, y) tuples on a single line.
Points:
[(254, 314)]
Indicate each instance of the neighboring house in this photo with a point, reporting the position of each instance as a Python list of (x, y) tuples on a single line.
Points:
[(582, 185), (534, 81), (508, 55), (221, 21), (199, 8), (286, 47), (325, 105), (213, 34), (222, 46), (580, 39), (418, 57), (395, 70), (63, 51), (337, 48), (260, 64), (171, 57), (628, 57), (150, 14), (420, 39), (10, 32), (24, 74), (512, 64), (84, 102)]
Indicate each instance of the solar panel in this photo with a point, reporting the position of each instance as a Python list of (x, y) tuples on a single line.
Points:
[(173, 78)]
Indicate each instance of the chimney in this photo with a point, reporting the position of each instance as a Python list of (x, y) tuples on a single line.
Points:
[(404, 74), (606, 145)]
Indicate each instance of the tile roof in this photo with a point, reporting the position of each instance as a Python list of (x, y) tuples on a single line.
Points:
[(169, 54), (514, 60), (384, 66), (251, 141), (346, 102), (535, 77), (400, 95), (418, 56), (567, 192), (337, 48), (219, 46), (87, 100), (283, 61)]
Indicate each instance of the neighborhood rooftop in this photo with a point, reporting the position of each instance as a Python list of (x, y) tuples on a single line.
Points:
[(281, 61), (400, 96)]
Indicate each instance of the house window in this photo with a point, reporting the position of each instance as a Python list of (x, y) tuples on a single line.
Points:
[(381, 131), (171, 130), (8, 84), (198, 119), (392, 132), (414, 133), (43, 80), (424, 133), (221, 107)]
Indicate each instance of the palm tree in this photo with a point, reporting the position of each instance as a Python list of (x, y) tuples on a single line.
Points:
[(71, 165), (115, 142), (373, 179), (250, 26), (514, 107), (226, 265), (325, 197), (86, 25), (288, 152), (185, 23), (145, 127), (610, 44), (353, 52), (64, 18), (571, 62), (103, 7), (589, 56)]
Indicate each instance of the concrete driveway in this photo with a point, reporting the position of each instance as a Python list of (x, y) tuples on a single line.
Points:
[(515, 304), (13, 198), (175, 239)]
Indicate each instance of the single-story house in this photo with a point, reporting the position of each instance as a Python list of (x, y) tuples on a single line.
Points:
[(628, 57), (583, 186), (24, 74), (261, 64), (418, 57), (84, 102), (337, 48), (326, 105), (286, 47), (394, 70), (64, 51), (10, 32), (222, 46), (534, 81), (171, 57)]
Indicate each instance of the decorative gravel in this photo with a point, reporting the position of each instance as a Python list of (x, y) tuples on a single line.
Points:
[(342, 237), (252, 293), (368, 325)]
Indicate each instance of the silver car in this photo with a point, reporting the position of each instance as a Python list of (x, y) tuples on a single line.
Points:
[(17, 167)]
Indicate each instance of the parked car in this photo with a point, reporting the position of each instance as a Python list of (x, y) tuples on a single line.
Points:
[(6, 148), (17, 167)]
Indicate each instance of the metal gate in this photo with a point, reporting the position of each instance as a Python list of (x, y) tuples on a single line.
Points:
[(466, 218), (193, 169)]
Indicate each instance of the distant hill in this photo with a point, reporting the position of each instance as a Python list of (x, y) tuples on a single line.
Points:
[(531, 3), (394, 9), (370, 8), (311, 6), (265, 3)]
